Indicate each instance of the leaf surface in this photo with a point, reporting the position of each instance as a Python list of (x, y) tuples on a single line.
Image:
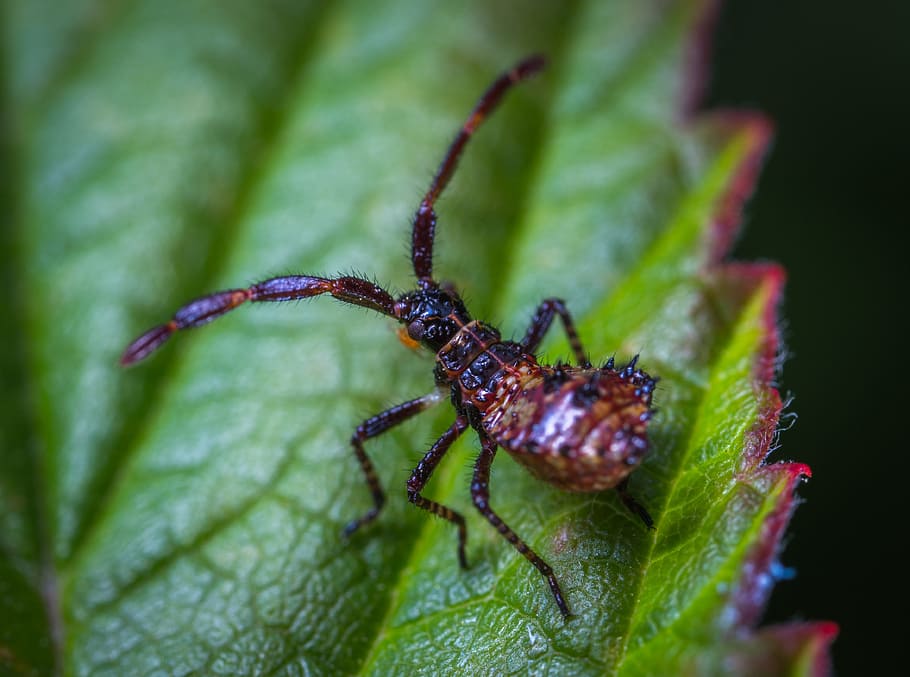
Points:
[(186, 515)]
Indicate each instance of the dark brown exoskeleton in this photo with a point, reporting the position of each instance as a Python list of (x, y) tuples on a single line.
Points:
[(580, 428)]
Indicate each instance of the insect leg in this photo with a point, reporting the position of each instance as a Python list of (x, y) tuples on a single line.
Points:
[(421, 475), (480, 494), (634, 506), (290, 288), (425, 219), (373, 426), (543, 318)]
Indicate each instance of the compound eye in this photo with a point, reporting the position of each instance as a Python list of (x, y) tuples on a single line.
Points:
[(416, 330)]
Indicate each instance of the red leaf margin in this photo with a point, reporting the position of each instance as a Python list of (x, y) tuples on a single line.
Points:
[(809, 642)]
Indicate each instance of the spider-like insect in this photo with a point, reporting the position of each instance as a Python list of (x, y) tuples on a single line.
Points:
[(580, 428)]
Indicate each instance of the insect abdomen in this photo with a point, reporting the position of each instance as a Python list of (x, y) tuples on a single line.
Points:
[(578, 429)]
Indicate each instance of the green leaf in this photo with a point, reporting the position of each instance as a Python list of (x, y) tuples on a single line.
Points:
[(186, 515)]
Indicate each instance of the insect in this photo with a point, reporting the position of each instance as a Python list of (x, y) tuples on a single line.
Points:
[(581, 428)]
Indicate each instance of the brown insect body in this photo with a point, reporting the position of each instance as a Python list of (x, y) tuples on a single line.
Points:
[(580, 428)]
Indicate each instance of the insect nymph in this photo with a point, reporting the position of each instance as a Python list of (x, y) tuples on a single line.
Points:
[(580, 428)]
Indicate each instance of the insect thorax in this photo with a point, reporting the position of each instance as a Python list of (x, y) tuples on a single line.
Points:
[(474, 356)]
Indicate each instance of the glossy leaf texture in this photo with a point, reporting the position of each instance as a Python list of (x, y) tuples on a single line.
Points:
[(185, 515)]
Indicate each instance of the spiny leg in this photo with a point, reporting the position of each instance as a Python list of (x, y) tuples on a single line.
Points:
[(422, 474), (353, 290), (425, 219), (480, 494), (373, 426), (633, 505), (540, 323)]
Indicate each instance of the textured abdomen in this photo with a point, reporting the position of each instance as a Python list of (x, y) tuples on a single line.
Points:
[(578, 429)]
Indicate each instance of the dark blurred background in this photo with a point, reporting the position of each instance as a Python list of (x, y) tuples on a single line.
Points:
[(831, 206)]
